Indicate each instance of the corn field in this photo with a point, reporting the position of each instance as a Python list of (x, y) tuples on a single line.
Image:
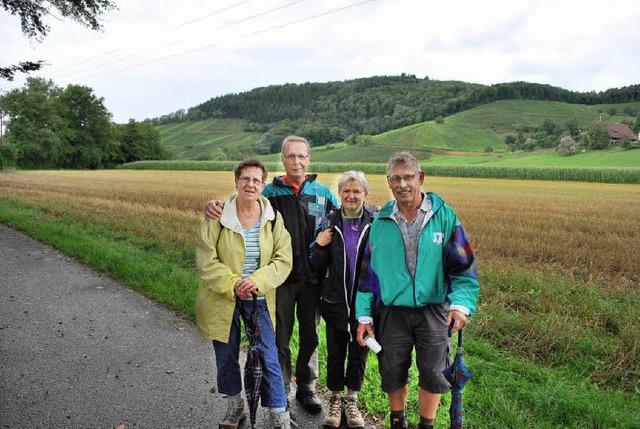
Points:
[(595, 175)]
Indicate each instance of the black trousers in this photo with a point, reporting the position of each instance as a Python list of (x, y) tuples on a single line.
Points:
[(298, 300), (339, 351)]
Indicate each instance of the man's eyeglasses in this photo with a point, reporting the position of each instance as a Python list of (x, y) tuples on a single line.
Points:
[(292, 157), (406, 178)]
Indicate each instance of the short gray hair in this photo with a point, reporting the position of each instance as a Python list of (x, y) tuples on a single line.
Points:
[(404, 158), (350, 175), (292, 138)]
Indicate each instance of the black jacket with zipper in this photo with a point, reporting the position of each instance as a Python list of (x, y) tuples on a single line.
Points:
[(337, 305)]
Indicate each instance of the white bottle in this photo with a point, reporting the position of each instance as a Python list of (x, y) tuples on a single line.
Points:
[(373, 344)]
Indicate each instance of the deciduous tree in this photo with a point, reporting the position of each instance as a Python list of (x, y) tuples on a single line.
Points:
[(598, 135), (636, 125), (549, 126), (34, 125), (86, 129), (32, 14), (139, 141), (571, 126)]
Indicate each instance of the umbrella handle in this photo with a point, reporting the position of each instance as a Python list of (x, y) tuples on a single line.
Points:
[(459, 334)]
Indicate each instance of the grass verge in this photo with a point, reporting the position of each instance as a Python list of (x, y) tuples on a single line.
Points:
[(506, 390)]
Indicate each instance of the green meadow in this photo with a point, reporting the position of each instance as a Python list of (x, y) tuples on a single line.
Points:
[(554, 343)]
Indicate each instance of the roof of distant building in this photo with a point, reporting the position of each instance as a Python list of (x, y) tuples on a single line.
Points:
[(618, 131)]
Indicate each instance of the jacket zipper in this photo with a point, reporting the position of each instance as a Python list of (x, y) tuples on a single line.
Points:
[(427, 217), (344, 274), (425, 221)]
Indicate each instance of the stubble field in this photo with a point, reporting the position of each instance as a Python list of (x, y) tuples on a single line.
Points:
[(558, 264)]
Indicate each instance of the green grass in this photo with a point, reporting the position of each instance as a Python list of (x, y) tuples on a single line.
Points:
[(454, 134), (210, 139), (506, 115), (519, 311), (510, 392), (545, 158)]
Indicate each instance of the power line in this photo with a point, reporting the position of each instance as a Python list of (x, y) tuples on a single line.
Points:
[(243, 36), (174, 42), (184, 24)]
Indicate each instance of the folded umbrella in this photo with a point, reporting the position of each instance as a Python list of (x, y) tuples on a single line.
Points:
[(457, 374), (255, 361)]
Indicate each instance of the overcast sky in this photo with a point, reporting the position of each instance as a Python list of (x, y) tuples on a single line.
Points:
[(156, 57)]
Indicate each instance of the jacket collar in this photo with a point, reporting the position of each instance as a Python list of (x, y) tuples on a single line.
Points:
[(436, 202), (278, 180), (229, 218)]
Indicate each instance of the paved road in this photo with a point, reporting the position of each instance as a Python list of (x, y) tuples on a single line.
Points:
[(79, 350)]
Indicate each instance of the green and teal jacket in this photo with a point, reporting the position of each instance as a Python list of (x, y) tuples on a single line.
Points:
[(445, 269)]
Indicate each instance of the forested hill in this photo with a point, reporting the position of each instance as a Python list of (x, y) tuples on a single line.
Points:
[(334, 111)]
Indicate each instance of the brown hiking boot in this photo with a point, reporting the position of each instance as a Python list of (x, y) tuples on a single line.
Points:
[(334, 413), (235, 414), (354, 418)]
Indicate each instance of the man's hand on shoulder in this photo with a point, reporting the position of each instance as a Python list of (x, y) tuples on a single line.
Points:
[(213, 209)]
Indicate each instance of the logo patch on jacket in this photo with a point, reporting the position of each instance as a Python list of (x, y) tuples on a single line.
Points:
[(438, 237)]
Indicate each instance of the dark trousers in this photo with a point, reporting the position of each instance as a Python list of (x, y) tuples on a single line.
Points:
[(339, 350), (298, 300)]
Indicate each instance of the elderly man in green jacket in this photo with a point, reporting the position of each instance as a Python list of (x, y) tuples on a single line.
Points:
[(419, 278)]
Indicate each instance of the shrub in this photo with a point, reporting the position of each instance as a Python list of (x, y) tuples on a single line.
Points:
[(626, 143), (567, 146), (529, 145)]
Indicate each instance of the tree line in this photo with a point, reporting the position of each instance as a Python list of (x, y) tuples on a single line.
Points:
[(53, 127), (338, 111)]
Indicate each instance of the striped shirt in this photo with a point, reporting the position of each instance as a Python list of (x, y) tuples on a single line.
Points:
[(411, 233), (252, 246)]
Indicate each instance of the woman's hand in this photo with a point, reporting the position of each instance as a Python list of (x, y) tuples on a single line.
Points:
[(325, 237), (245, 288)]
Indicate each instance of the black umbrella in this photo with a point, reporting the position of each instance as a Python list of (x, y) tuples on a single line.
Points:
[(255, 361), (457, 374)]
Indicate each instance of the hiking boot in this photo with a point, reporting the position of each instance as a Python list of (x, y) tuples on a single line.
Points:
[(235, 414), (281, 420), (334, 413), (309, 401), (399, 422), (354, 418)]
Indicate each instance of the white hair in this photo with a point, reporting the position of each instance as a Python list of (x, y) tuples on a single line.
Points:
[(350, 175)]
